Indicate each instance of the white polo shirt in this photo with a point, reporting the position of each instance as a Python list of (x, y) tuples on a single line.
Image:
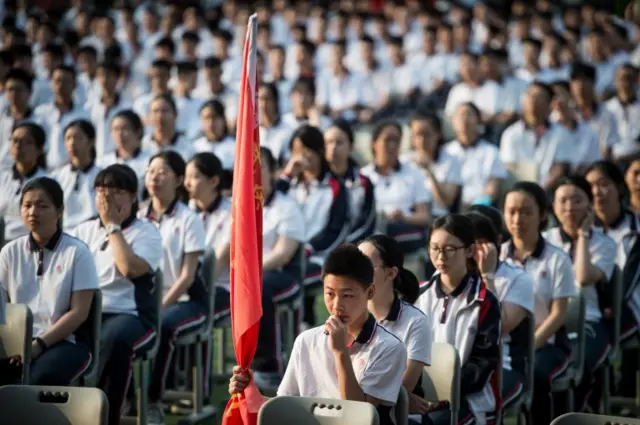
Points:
[(402, 189), (79, 194), (182, 233), (101, 117), (45, 278), (138, 163), (522, 144), (277, 139), (11, 184), (179, 144), (604, 123), (217, 225), (54, 123), (413, 327), (485, 97), (340, 94), (281, 217), (552, 274), (188, 114), (627, 119), (602, 251), (447, 169), (294, 122), (584, 145), (224, 149), (515, 286), (121, 295), (378, 357), (480, 162)]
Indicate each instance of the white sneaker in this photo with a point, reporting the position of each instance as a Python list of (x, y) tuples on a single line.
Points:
[(155, 415)]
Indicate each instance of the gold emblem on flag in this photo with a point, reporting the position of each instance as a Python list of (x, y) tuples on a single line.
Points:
[(256, 155), (257, 189)]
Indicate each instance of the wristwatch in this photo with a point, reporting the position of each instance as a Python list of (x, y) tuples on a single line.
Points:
[(43, 345), (112, 228)]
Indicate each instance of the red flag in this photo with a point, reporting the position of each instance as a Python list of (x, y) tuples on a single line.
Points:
[(246, 236)]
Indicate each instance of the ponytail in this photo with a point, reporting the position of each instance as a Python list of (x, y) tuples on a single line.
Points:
[(406, 286)]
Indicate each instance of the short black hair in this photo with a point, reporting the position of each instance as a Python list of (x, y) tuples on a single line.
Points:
[(50, 186), (88, 50), (212, 62), (118, 176), (166, 43), (111, 66), (348, 261), (577, 181), (583, 70), (20, 75)]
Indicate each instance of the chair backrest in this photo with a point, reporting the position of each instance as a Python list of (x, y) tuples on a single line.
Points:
[(35, 405), (91, 330), (589, 419), (316, 411), (209, 276), (441, 379), (16, 335), (574, 324), (401, 409), (530, 366), (617, 291), (158, 281)]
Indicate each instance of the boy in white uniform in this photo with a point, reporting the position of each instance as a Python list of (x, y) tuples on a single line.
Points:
[(349, 357)]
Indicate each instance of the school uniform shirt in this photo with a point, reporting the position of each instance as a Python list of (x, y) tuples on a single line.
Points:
[(469, 319), (485, 97), (584, 146), (224, 149), (604, 123), (188, 114), (182, 233), (121, 295), (294, 122), (45, 278), (217, 225), (312, 369), (627, 118), (101, 117), (413, 327), (515, 286), (79, 193), (447, 169), (228, 97), (325, 208), (54, 122), (541, 147), (362, 204), (179, 144), (281, 217), (480, 163), (277, 138), (11, 184), (340, 93), (552, 274), (602, 251), (403, 188), (138, 162), (7, 124), (624, 232)]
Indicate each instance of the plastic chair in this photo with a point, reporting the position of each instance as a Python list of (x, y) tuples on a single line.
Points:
[(286, 321), (590, 419), (195, 343), (441, 379), (142, 364), (522, 407), (16, 335), (316, 411), (401, 409), (616, 288), (93, 328), (40, 405), (575, 327)]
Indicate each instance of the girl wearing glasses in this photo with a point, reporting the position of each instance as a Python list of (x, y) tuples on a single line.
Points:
[(525, 213), (392, 306), (27, 150), (465, 314)]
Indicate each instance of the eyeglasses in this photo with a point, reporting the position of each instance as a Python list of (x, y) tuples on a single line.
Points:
[(446, 251)]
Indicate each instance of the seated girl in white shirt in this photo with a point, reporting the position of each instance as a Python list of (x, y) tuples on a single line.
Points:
[(186, 298), (392, 306), (127, 252), (400, 190), (77, 177), (126, 131), (55, 276), (465, 314), (215, 134), (27, 150)]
